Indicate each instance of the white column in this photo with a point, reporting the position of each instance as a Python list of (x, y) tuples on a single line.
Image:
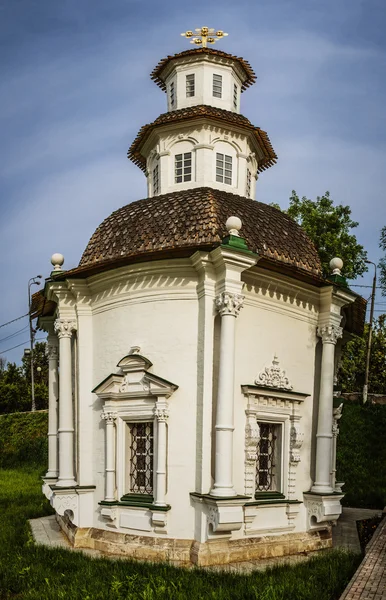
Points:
[(229, 306), (330, 335), (53, 395), (110, 455), (162, 415), (64, 329)]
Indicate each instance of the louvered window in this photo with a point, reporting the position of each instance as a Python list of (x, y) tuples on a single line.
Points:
[(172, 95), (183, 167), (156, 182), (141, 458), (190, 86), (217, 86), (249, 184), (224, 168), (235, 96)]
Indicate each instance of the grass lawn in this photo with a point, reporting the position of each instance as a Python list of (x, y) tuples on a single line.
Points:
[(29, 571)]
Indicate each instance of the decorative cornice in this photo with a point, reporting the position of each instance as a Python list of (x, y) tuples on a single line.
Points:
[(330, 333), (64, 328), (274, 377), (229, 304)]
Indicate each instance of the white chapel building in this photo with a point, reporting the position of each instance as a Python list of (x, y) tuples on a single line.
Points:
[(192, 351)]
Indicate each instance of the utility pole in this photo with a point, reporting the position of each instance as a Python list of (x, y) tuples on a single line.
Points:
[(32, 281), (368, 349)]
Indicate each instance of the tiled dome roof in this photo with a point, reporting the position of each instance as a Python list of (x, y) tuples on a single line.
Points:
[(210, 113), (195, 219)]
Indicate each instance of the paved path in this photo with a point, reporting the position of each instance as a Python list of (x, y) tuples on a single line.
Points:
[(344, 534), (369, 582)]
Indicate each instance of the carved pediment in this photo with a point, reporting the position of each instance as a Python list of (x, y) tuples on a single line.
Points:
[(134, 382), (274, 377)]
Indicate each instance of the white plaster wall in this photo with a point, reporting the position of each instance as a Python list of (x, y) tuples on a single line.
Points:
[(160, 316), (203, 142), (274, 323), (203, 77), (155, 306)]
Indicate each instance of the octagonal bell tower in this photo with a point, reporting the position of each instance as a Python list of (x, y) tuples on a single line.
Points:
[(202, 140)]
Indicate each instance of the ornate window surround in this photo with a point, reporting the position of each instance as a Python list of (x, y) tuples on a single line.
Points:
[(272, 400), (134, 396)]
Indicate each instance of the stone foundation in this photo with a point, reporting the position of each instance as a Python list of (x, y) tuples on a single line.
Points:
[(191, 552)]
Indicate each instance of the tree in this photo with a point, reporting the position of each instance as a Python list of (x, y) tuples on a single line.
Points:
[(15, 383), (40, 361), (329, 227), (382, 262), (351, 375)]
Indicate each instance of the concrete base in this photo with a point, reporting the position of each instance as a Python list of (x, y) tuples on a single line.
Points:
[(188, 552)]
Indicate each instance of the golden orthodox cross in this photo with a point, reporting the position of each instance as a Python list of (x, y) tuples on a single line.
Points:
[(204, 36)]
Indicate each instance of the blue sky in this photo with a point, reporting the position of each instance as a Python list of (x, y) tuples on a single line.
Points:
[(75, 89)]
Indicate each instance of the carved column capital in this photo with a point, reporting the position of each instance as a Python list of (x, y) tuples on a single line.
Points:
[(330, 333), (64, 327), (109, 417), (229, 304), (162, 414), (52, 352)]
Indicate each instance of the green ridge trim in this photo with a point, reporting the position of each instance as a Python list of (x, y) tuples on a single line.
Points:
[(210, 497), (278, 501), (269, 496), (73, 487), (148, 506), (338, 279)]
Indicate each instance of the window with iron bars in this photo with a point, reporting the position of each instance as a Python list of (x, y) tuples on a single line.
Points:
[(217, 86), (224, 168), (267, 467), (190, 86), (172, 95), (156, 180), (183, 167), (249, 183), (235, 96), (141, 458)]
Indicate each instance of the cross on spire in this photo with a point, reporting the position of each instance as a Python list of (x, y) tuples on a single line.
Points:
[(204, 36)]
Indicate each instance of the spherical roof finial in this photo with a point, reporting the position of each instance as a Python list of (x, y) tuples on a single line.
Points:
[(233, 225), (336, 265), (57, 260)]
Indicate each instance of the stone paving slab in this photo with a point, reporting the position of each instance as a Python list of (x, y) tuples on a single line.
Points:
[(369, 582), (345, 534)]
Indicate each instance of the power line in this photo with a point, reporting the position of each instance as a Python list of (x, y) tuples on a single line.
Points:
[(14, 334), (378, 287), (18, 346), (13, 320)]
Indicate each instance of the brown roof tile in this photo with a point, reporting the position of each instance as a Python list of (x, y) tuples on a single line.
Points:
[(195, 219), (198, 112), (250, 78)]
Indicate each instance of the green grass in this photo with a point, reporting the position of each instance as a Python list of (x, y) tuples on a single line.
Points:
[(35, 572), (23, 439)]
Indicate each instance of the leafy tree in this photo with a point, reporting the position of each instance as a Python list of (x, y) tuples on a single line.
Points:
[(382, 262), (40, 362), (351, 374), (15, 383), (329, 227)]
